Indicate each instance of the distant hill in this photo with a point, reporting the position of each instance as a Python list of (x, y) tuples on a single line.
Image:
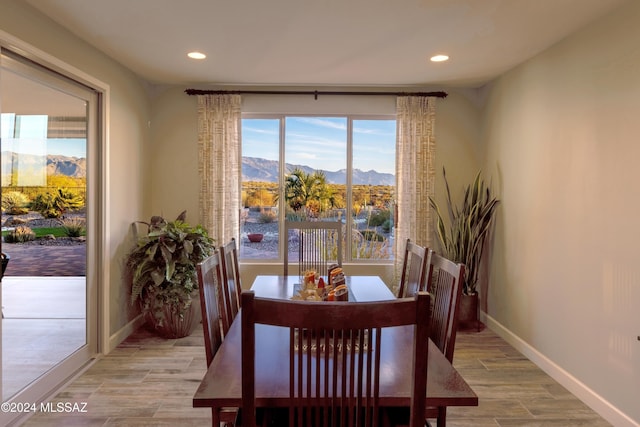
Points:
[(257, 169), (70, 166), (253, 169), (56, 164)]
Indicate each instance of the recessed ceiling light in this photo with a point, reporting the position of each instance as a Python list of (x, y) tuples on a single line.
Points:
[(196, 55), (439, 58)]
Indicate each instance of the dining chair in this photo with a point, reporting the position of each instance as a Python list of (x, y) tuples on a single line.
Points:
[(414, 266), (445, 285), (232, 288), (315, 245), (209, 273), (334, 364)]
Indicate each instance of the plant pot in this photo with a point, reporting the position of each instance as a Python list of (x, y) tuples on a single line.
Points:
[(255, 237), (5, 262), (468, 312), (173, 325)]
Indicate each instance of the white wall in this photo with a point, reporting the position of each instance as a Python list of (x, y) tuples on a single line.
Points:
[(128, 135), (561, 136)]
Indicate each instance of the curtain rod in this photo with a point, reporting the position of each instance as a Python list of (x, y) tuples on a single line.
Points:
[(315, 93)]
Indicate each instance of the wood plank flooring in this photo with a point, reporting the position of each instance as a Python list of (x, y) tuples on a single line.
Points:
[(149, 381)]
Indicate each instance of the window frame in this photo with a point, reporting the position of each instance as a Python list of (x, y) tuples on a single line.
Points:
[(350, 118)]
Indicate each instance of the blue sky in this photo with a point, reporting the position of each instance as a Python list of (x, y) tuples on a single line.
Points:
[(321, 142), (65, 147), (32, 140)]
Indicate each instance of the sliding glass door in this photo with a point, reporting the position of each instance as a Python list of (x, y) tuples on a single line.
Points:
[(48, 136)]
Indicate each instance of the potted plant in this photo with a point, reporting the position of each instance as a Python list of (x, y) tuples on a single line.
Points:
[(163, 274), (462, 237)]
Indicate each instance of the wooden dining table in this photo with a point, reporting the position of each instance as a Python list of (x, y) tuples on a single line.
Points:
[(222, 383)]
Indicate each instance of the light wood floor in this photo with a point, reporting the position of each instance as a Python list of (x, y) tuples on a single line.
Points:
[(148, 381)]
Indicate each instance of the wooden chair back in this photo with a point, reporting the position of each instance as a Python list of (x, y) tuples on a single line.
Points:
[(414, 266), (313, 244), (210, 284), (209, 274), (334, 363), (232, 288), (447, 278)]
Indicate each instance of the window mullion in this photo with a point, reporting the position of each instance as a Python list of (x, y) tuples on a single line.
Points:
[(348, 217), (281, 201)]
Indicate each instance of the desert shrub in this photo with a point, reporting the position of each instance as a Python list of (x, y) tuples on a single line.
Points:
[(20, 234), (71, 199), (74, 226), (378, 218), (364, 248), (45, 203), (54, 204), (296, 216), (371, 235), (259, 197), (266, 218), (15, 203)]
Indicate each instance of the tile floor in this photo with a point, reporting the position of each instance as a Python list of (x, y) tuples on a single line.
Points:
[(44, 322), (149, 381)]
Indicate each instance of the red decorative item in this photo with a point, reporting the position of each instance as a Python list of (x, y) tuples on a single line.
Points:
[(255, 237)]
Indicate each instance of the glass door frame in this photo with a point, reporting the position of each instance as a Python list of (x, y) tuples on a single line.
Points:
[(97, 275)]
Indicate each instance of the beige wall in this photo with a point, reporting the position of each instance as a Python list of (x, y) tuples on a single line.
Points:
[(126, 174), (561, 137), (174, 154)]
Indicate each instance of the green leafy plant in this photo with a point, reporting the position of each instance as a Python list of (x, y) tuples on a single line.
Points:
[(462, 237), (163, 265)]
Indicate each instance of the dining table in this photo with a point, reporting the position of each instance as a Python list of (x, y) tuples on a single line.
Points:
[(222, 383)]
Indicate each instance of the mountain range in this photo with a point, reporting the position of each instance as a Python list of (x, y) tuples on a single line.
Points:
[(56, 164), (253, 169), (258, 169)]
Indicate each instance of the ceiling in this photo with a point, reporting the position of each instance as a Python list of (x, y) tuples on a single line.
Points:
[(322, 42)]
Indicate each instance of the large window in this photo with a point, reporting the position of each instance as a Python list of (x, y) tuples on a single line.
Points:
[(318, 168)]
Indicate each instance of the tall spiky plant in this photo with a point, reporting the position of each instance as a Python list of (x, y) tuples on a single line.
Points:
[(462, 239)]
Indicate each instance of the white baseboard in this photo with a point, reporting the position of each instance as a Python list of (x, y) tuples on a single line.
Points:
[(590, 398), (124, 332)]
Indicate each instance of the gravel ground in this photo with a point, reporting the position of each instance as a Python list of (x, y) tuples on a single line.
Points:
[(35, 220), (269, 243), (268, 247)]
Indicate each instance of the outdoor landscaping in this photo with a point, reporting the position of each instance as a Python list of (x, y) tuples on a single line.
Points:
[(308, 196), (49, 217), (44, 234)]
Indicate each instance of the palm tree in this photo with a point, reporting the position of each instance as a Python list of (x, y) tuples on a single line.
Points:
[(303, 190)]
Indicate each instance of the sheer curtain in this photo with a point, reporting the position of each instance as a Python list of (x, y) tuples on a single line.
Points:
[(219, 165), (415, 172)]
